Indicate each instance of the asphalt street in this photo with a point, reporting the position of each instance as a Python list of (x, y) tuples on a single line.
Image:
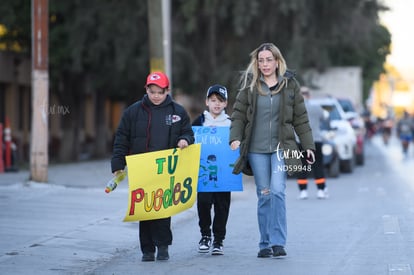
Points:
[(71, 226)]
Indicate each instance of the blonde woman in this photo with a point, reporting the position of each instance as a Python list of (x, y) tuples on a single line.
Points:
[(268, 111)]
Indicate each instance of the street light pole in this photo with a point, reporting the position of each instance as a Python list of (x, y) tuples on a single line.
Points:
[(40, 92), (166, 27)]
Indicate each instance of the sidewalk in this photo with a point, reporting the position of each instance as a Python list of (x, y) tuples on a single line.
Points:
[(88, 174), (60, 226)]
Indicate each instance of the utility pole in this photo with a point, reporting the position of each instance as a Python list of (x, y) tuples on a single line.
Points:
[(40, 92), (166, 36), (159, 33)]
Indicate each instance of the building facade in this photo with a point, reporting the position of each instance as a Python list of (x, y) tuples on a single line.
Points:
[(16, 109)]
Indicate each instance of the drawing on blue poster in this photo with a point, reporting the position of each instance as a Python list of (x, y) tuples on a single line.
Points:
[(217, 160)]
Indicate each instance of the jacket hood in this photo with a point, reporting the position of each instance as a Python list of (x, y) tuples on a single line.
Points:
[(289, 74), (221, 120)]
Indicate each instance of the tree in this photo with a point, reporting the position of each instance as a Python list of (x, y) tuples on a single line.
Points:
[(99, 47), (16, 17), (310, 33)]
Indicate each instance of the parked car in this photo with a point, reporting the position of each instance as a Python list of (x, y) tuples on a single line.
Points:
[(331, 161), (341, 132), (358, 124)]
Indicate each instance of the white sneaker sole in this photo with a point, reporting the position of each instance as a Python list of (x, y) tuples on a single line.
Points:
[(217, 253)]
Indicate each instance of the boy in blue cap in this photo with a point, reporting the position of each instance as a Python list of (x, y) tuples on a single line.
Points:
[(216, 101)]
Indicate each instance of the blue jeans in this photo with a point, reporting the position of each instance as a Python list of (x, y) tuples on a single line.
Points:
[(270, 179)]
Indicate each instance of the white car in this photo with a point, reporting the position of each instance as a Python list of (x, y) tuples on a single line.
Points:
[(341, 132), (358, 124)]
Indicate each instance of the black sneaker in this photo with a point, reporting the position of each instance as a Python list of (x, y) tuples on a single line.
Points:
[(217, 248), (278, 251), (162, 254), (148, 257), (265, 253), (204, 244)]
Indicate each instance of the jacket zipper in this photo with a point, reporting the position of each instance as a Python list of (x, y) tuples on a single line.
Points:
[(270, 123)]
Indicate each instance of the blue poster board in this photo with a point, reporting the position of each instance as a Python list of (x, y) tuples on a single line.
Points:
[(216, 160)]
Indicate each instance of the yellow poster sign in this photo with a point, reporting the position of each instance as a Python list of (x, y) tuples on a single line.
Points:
[(162, 183)]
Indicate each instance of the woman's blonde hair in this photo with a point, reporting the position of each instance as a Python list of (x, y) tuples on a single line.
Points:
[(251, 76)]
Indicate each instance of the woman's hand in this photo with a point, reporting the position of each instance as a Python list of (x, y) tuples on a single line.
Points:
[(235, 144), (310, 156)]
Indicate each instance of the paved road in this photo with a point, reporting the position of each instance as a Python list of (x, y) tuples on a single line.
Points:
[(73, 227), (366, 227)]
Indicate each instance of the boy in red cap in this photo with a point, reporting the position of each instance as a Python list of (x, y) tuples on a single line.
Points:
[(154, 123)]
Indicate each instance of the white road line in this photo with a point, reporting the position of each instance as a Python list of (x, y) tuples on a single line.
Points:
[(390, 224), (399, 269)]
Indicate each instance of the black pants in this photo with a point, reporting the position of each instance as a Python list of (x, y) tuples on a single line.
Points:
[(221, 202), (317, 170), (154, 233)]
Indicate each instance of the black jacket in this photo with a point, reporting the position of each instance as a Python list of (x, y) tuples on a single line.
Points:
[(145, 127), (199, 121)]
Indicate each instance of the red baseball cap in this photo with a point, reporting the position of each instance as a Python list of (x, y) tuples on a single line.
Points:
[(159, 79)]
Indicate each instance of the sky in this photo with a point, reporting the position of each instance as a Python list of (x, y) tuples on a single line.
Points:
[(399, 21)]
